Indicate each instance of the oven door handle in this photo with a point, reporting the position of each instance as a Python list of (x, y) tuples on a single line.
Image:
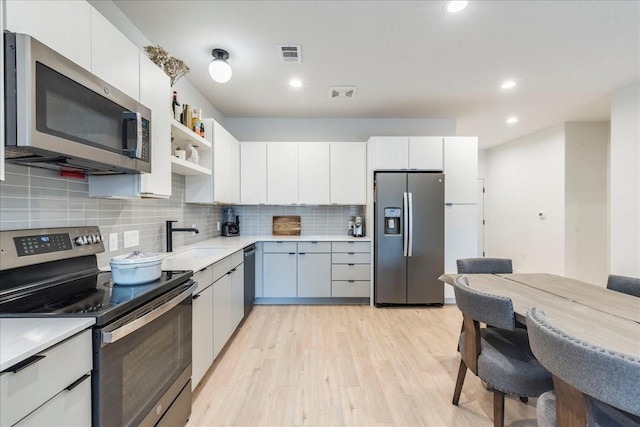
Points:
[(129, 328)]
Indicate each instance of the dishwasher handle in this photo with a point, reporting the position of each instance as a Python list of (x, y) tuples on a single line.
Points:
[(129, 328), (250, 252)]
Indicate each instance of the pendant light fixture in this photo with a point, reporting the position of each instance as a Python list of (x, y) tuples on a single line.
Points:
[(219, 69)]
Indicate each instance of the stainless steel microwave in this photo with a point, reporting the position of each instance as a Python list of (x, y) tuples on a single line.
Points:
[(60, 116)]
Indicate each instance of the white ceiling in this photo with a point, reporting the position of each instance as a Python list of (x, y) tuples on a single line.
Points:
[(408, 59)]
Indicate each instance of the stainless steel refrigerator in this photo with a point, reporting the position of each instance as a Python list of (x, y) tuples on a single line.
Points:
[(409, 238)]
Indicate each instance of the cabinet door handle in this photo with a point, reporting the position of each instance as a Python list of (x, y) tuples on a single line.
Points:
[(351, 264), (77, 382), (351, 281), (24, 364), (302, 253), (195, 297), (351, 253), (292, 253)]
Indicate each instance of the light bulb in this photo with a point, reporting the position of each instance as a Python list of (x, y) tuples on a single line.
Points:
[(508, 84), (456, 6), (512, 120), (220, 70), (295, 83)]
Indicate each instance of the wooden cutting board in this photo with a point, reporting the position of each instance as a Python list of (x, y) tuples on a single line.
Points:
[(286, 226)]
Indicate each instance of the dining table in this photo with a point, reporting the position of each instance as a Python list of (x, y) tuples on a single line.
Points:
[(589, 312)]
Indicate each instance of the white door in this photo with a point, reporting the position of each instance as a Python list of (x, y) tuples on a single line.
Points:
[(481, 217), (279, 275), (314, 275), (221, 313), (460, 235), (237, 297), (253, 173), (282, 173), (313, 173)]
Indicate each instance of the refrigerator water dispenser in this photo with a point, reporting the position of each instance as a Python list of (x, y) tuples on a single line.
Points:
[(392, 221)]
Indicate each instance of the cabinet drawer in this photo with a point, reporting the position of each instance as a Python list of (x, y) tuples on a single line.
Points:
[(204, 278), (350, 272), (351, 288), (312, 247), (351, 246), (351, 258), (237, 258), (221, 268), (277, 247), (67, 408), (27, 389)]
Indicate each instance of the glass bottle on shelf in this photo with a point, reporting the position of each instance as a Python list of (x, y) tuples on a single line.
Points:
[(175, 107)]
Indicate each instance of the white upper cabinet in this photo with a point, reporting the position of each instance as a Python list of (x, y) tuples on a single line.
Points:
[(348, 173), (114, 58), (155, 93), (426, 153), (64, 26), (390, 152), (253, 173), (282, 173), (2, 3), (313, 173), (407, 153), (223, 186), (461, 169)]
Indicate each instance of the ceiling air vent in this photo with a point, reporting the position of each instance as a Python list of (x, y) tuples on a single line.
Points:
[(290, 53), (342, 92)]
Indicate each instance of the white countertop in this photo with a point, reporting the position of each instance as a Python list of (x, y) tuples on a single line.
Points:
[(229, 245), (24, 337)]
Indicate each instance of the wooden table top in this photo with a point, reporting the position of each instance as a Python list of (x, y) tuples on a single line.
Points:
[(592, 313)]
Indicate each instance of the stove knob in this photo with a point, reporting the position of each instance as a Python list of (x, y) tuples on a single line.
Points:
[(90, 239), (98, 238), (81, 240)]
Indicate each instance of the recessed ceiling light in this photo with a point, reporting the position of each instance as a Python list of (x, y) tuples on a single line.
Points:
[(456, 6), (508, 84), (512, 120), (295, 83)]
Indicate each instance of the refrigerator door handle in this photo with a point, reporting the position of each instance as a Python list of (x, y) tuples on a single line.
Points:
[(405, 220), (410, 245)]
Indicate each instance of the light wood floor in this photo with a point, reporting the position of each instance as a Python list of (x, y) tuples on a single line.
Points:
[(346, 366)]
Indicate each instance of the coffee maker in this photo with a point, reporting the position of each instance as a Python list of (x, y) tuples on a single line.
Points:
[(356, 226), (231, 224)]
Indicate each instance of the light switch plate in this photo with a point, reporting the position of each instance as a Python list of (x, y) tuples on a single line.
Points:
[(131, 238), (113, 242), (218, 226)]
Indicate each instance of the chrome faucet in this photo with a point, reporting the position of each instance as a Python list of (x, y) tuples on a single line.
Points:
[(170, 231)]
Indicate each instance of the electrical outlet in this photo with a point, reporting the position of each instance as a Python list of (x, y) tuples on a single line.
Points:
[(218, 226), (131, 238), (113, 242)]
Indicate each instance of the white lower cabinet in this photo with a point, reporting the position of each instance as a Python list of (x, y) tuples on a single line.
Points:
[(237, 290), (279, 274), (50, 390), (221, 313), (316, 270), (202, 333), (314, 275)]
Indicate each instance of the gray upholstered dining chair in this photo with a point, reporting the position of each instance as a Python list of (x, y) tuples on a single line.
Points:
[(500, 356), (624, 284), (484, 265), (594, 386)]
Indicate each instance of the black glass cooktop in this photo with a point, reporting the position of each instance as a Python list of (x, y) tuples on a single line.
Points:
[(90, 296)]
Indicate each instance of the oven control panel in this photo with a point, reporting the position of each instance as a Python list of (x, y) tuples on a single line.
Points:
[(27, 247)]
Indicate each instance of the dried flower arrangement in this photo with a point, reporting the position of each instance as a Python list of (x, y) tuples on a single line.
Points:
[(173, 67)]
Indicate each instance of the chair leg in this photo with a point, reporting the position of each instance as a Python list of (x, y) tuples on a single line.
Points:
[(461, 331), (498, 409), (459, 381)]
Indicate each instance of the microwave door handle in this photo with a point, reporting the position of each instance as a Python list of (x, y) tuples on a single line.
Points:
[(132, 149), (129, 328)]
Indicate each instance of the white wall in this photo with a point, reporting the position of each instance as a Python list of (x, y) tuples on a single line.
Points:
[(586, 253), (624, 211), (526, 176), (186, 91), (333, 129)]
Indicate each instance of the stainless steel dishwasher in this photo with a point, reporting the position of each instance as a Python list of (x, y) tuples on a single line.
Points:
[(249, 278)]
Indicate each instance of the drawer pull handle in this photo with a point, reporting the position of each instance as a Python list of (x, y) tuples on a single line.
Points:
[(302, 253), (77, 382), (351, 264), (351, 253), (292, 253), (315, 243), (25, 363), (351, 281)]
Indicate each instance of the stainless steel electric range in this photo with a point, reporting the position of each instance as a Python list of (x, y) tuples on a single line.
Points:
[(142, 337)]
